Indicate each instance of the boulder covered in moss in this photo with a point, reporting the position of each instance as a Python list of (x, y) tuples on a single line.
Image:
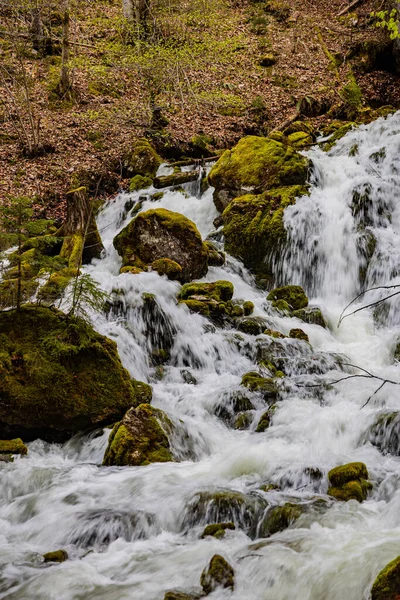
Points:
[(265, 420), (213, 300), (220, 291), (311, 315), (298, 334), (180, 596), (141, 159), (166, 266), (294, 295), (253, 325), (217, 530), (254, 230), (387, 585), (58, 376), (280, 518), (266, 386), (256, 164), (349, 482), (15, 446), (219, 573), (163, 234), (140, 438), (57, 556), (216, 258)]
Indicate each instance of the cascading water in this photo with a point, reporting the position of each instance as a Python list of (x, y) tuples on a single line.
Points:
[(135, 532)]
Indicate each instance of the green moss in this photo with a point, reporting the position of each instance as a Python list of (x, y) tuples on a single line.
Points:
[(252, 325), (345, 473), (243, 420), (280, 518), (261, 163), (248, 308), (254, 382), (274, 334), (197, 306), (298, 334), (139, 439), (142, 159), (300, 139), (9, 291), (217, 530), (312, 315), (132, 270), (220, 290), (254, 229), (165, 266), (16, 446), (216, 258), (219, 573), (387, 585), (292, 294), (338, 134), (139, 182), (61, 376), (265, 420), (57, 556), (179, 596), (352, 490), (72, 250)]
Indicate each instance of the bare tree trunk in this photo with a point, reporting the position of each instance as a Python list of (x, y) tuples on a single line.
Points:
[(138, 11), (37, 30), (128, 10), (65, 84)]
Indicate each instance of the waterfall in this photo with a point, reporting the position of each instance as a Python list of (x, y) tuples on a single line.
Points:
[(135, 532)]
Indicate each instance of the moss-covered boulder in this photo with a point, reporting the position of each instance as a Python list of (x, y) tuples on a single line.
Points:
[(139, 182), (265, 420), (253, 325), (280, 518), (219, 573), (256, 164), (349, 482), (213, 300), (180, 596), (266, 386), (294, 295), (220, 291), (311, 315), (163, 234), (253, 227), (165, 266), (216, 258), (298, 334), (58, 376), (16, 446), (57, 556), (387, 585), (140, 438), (141, 159), (217, 530)]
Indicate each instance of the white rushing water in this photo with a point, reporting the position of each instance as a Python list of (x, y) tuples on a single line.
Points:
[(135, 532)]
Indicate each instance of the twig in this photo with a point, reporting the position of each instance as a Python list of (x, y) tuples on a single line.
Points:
[(348, 8), (379, 287), (370, 305), (372, 395)]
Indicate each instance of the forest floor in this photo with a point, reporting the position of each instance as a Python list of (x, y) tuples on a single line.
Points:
[(202, 68)]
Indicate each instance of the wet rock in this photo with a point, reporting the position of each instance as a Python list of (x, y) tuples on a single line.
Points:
[(265, 420), (349, 482), (216, 258), (16, 446), (265, 385), (163, 234), (253, 325), (293, 357), (59, 376), (219, 573), (141, 159), (231, 405), (139, 182), (222, 506), (292, 294), (254, 230), (170, 268), (298, 334), (280, 518), (256, 164), (387, 585), (221, 291), (385, 433), (212, 300), (158, 329), (180, 596), (217, 530), (243, 420), (311, 315), (58, 556), (188, 377), (140, 438)]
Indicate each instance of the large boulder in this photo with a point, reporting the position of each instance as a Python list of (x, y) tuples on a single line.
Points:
[(219, 573), (255, 165), (163, 234), (139, 439), (254, 230), (387, 584), (58, 376), (349, 482), (141, 159)]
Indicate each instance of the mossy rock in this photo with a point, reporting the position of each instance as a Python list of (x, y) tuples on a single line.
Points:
[(217, 530), (58, 376), (252, 325), (337, 135), (387, 585), (131, 270), (280, 518), (298, 334), (141, 159), (163, 234), (255, 382), (15, 446), (300, 139), (180, 596), (265, 420), (294, 295), (218, 574), (139, 439), (300, 127), (253, 227), (256, 164), (243, 420), (216, 258), (352, 490), (311, 315), (165, 266), (268, 60), (57, 556), (349, 472), (220, 290), (385, 433), (139, 182)]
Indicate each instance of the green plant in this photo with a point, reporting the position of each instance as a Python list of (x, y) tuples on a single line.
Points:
[(388, 20), (84, 294)]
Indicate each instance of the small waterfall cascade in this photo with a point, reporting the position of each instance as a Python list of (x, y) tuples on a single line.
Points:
[(135, 532)]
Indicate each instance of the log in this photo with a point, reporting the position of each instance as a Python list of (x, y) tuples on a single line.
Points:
[(349, 7), (193, 161), (175, 179)]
